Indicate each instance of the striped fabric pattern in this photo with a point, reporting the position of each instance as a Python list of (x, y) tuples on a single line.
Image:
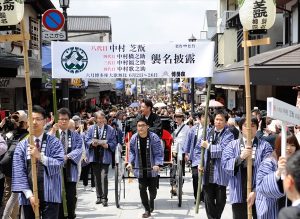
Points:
[(111, 141), (267, 190), (216, 151), (52, 174), (230, 154), (156, 152), (188, 146), (75, 154)]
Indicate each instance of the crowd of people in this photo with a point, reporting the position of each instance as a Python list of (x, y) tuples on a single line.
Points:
[(75, 146)]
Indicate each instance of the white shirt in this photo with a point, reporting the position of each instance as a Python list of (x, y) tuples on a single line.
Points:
[(66, 133), (245, 140), (100, 130), (200, 132), (27, 192), (180, 139), (40, 138), (120, 126), (296, 203)]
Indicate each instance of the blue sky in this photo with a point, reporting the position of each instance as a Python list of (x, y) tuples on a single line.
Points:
[(149, 21)]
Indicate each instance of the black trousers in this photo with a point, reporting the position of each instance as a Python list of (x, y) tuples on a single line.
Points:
[(85, 175), (48, 210), (1, 189), (113, 159), (214, 199), (100, 173), (71, 197), (151, 184), (239, 210)]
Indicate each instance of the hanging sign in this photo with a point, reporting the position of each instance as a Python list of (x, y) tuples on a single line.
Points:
[(257, 14), (135, 60), (11, 12)]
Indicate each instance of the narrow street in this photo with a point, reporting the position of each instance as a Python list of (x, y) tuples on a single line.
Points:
[(131, 207)]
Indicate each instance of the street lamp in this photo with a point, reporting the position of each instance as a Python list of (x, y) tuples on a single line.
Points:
[(192, 39), (64, 4)]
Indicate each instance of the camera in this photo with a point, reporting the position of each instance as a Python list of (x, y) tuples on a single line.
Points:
[(9, 124)]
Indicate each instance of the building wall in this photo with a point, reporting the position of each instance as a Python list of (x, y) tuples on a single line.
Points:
[(99, 37), (28, 12), (223, 6), (7, 99), (275, 33), (295, 24), (262, 92), (227, 47), (292, 6)]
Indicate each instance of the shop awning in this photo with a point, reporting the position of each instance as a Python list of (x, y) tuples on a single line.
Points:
[(279, 67)]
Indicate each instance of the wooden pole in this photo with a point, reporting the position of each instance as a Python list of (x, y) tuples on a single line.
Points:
[(200, 173), (29, 105), (248, 117), (64, 199)]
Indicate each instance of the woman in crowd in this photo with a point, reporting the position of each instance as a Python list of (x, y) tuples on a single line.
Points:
[(270, 195)]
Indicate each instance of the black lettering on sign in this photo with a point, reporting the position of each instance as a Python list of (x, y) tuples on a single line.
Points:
[(4, 82)]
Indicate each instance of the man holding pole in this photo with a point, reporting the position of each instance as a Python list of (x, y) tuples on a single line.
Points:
[(235, 165), (49, 153), (215, 179), (72, 145)]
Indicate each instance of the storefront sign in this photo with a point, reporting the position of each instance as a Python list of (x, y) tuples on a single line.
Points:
[(136, 60), (11, 12), (12, 82)]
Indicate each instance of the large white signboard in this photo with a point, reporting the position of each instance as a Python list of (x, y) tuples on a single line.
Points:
[(285, 112), (11, 12), (135, 60)]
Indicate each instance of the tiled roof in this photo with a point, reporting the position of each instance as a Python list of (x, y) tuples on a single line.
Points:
[(40, 6), (287, 56), (96, 24)]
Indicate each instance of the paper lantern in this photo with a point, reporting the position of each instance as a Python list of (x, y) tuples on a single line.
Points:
[(257, 14), (11, 12)]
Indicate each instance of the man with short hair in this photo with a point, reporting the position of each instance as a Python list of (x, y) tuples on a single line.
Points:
[(153, 119), (72, 145), (77, 123), (215, 180), (194, 135), (102, 142), (49, 153), (291, 185), (234, 163), (146, 154)]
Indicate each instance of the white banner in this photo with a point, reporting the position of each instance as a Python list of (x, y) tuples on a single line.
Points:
[(136, 60)]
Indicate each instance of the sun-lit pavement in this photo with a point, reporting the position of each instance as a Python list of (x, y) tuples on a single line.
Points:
[(131, 207)]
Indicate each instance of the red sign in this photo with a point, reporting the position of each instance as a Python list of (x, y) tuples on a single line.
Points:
[(53, 20)]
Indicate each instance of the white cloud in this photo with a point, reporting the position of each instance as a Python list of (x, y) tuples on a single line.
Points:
[(147, 20)]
